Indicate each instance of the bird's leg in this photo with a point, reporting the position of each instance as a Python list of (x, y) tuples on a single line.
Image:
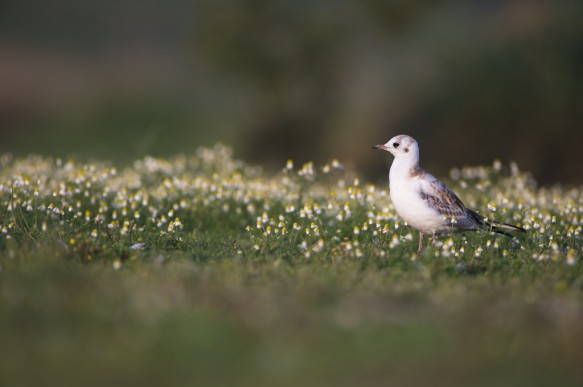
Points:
[(420, 243)]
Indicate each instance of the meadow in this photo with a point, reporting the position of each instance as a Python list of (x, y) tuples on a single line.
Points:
[(205, 270)]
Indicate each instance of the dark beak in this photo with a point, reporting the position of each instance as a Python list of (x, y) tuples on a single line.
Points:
[(381, 147)]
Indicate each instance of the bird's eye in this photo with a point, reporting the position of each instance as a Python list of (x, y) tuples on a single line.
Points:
[(396, 144)]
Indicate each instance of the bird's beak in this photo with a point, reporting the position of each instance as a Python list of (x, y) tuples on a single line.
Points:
[(381, 147)]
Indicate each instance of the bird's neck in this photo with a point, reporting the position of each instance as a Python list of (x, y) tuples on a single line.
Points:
[(403, 167)]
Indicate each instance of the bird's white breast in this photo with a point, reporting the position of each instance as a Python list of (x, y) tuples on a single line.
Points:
[(405, 194)]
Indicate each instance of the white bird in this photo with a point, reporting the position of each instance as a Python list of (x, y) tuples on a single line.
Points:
[(424, 202)]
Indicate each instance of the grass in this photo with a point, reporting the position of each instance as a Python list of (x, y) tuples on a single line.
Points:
[(202, 270)]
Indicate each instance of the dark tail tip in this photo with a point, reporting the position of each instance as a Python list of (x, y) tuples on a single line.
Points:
[(498, 231)]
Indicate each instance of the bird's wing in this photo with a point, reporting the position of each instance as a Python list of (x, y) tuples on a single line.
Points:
[(441, 198), (445, 202)]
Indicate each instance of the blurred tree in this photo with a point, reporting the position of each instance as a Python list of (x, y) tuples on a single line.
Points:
[(289, 56), (285, 54), (518, 96), (396, 16), (303, 79)]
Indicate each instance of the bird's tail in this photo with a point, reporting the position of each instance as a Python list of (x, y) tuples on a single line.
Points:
[(497, 227), (501, 228)]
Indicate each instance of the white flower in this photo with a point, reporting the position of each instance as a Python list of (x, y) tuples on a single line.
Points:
[(137, 246)]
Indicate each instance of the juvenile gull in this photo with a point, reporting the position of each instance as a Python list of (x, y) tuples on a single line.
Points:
[(425, 202)]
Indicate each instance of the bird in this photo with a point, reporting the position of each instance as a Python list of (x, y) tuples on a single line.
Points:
[(425, 202)]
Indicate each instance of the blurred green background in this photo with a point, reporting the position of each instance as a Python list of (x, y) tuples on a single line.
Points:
[(307, 80)]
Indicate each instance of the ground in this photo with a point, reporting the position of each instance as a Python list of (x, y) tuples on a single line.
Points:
[(203, 270)]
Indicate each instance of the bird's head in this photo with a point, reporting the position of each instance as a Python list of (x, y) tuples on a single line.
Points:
[(401, 146)]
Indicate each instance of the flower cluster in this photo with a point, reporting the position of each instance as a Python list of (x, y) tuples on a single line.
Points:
[(307, 212)]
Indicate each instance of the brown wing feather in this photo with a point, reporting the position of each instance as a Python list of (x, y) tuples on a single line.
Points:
[(443, 199), (446, 203)]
